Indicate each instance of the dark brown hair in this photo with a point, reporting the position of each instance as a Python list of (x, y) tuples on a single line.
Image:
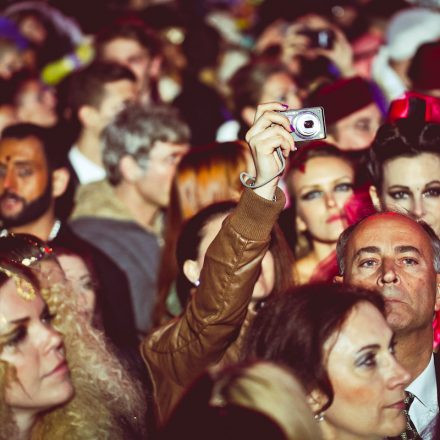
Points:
[(292, 329), (406, 137)]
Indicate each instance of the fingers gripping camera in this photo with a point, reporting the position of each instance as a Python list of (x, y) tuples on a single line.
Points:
[(307, 123)]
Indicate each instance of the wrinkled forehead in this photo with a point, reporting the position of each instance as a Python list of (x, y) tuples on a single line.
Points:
[(389, 229)]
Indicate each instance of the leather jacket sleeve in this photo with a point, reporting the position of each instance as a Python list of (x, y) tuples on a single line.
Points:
[(179, 351)]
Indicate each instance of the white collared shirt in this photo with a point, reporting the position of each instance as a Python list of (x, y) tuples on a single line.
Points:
[(425, 405), (86, 170)]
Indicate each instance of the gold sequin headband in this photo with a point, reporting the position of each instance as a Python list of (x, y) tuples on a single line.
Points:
[(24, 288)]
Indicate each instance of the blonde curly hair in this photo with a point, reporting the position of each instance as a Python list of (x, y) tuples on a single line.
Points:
[(108, 402)]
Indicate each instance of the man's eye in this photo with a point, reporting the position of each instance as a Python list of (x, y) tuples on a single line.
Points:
[(399, 195), (25, 172), (367, 263), (410, 261)]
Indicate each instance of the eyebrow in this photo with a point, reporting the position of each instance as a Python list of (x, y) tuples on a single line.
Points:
[(406, 248), (369, 347), (23, 162), (375, 250), (20, 321), (367, 250)]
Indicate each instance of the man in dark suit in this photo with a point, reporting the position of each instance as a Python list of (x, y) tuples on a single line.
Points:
[(32, 176), (400, 257)]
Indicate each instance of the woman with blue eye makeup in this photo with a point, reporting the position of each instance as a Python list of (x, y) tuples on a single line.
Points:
[(320, 182), (336, 341)]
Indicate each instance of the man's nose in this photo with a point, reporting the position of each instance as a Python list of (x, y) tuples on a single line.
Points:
[(388, 274), (9, 182)]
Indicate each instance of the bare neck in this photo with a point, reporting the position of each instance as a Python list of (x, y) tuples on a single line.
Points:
[(89, 144), (322, 250), (143, 212), (41, 227), (25, 421), (414, 350)]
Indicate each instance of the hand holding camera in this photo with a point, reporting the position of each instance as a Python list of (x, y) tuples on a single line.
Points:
[(272, 137), (312, 36), (270, 142)]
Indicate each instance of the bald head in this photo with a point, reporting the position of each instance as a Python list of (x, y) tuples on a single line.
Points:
[(378, 226)]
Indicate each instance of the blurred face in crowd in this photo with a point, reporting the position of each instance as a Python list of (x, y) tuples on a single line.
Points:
[(280, 87), (393, 254), (357, 130), (321, 190), (368, 382), (33, 29), (25, 187), (8, 116), (117, 95), (266, 280), (155, 179), (412, 185), (35, 350), (11, 61), (130, 53), (81, 280), (35, 103)]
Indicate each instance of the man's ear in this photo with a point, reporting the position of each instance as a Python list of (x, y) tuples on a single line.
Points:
[(60, 180), (130, 169), (88, 116), (338, 279), (155, 67), (437, 293), (375, 198), (191, 270)]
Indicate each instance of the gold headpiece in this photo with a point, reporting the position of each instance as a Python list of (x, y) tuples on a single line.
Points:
[(24, 288)]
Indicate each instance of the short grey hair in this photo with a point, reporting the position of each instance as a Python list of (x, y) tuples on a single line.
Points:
[(135, 130), (341, 246)]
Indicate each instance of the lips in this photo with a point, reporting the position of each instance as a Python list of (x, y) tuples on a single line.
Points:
[(61, 368), (336, 217), (399, 405), (10, 202)]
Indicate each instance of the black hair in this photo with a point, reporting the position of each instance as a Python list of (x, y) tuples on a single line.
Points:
[(406, 137), (52, 141)]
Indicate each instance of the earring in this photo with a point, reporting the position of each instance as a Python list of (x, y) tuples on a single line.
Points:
[(196, 283), (319, 417)]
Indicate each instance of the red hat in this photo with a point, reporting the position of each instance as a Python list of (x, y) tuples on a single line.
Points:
[(424, 70), (411, 104), (342, 98)]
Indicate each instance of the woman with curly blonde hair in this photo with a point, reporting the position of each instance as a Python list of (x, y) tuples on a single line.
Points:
[(103, 402)]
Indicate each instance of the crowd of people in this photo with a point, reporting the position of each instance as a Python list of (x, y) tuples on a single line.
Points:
[(175, 263)]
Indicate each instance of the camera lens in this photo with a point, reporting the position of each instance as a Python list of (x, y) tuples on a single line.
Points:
[(307, 124)]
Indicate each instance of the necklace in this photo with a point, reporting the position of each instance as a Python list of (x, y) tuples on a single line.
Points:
[(55, 229)]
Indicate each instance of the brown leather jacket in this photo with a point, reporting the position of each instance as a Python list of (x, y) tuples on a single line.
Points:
[(207, 331)]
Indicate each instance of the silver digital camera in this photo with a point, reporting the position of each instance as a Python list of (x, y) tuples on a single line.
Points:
[(307, 123)]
